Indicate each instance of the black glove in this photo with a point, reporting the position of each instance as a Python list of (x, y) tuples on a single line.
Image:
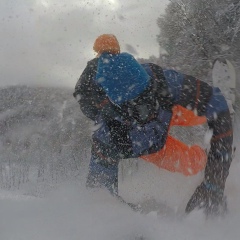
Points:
[(210, 198)]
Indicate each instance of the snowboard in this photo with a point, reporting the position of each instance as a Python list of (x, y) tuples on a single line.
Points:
[(224, 77)]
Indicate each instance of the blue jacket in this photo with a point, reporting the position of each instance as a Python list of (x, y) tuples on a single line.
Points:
[(190, 92)]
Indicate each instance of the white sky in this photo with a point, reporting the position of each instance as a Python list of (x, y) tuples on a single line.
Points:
[(50, 41)]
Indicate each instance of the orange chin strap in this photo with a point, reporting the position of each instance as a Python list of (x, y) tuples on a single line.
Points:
[(176, 156)]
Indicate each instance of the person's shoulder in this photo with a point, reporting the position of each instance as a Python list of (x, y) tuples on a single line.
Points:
[(122, 55), (92, 62), (126, 55), (172, 72), (89, 70)]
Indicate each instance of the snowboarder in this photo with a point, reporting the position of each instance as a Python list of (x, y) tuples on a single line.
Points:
[(133, 107)]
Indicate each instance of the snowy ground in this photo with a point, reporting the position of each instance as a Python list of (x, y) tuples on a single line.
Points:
[(71, 212)]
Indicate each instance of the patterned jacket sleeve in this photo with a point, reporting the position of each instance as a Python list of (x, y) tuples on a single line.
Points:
[(208, 101), (87, 93)]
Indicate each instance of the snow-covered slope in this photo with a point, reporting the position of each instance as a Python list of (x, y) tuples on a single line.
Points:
[(73, 213)]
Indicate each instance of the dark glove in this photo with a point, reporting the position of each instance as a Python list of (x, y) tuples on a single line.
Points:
[(208, 197)]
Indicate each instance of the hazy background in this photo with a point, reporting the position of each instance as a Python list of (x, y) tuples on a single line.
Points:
[(45, 139), (50, 41)]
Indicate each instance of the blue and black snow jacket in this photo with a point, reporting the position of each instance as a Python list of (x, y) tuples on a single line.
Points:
[(163, 90)]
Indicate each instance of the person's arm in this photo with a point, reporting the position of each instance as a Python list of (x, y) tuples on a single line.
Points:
[(207, 101), (88, 94)]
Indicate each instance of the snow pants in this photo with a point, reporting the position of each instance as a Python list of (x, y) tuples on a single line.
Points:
[(102, 175)]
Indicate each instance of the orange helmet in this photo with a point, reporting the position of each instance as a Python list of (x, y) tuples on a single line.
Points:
[(106, 43)]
